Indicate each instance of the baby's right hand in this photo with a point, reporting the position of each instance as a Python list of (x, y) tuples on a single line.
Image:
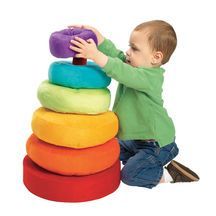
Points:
[(100, 37)]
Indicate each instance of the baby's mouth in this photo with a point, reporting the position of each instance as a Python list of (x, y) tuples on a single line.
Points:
[(128, 61)]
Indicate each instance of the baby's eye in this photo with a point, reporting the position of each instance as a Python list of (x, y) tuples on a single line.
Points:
[(133, 48)]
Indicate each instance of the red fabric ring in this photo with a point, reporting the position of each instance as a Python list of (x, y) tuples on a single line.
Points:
[(60, 188)]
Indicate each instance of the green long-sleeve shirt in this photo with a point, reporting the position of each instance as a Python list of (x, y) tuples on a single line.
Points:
[(138, 102)]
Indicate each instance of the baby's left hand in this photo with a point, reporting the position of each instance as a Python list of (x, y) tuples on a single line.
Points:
[(86, 49)]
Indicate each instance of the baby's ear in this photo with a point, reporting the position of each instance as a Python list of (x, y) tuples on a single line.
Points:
[(157, 58)]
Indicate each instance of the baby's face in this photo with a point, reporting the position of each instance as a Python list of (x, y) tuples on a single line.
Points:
[(139, 54)]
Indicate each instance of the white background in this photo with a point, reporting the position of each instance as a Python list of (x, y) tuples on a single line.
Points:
[(189, 95)]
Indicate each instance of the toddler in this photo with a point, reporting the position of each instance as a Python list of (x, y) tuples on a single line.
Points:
[(146, 132)]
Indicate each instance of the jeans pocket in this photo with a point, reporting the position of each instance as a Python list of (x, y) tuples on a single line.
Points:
[(168, 153), (174, 150)]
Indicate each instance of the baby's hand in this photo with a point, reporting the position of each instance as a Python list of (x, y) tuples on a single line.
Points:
[(100, 37), (86, 49)]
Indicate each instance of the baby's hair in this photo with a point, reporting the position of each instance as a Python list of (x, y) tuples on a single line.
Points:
[(161, 37)]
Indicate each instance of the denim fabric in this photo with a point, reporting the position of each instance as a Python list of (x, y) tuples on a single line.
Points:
[(143, 161)]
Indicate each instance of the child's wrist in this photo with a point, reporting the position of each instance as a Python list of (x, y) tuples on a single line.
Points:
[(96, 56), (100, 59)]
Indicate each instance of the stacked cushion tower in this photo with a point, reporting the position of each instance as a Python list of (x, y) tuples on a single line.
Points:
[(72, 155)]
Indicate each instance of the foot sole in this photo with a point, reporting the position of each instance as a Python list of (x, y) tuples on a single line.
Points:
[(186, 172)]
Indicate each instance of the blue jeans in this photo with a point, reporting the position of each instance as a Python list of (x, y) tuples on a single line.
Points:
[(143, 161)]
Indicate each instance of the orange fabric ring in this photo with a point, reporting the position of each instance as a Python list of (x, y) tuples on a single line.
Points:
[(69, 161), (74, 130)]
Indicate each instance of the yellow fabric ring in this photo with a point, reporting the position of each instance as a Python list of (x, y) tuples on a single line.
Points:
[(74, 130)]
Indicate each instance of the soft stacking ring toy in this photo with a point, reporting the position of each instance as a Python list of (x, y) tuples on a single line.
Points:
[(70, 161), (60, 188), (78, 76), (74, 130), (60, 41), (68, 100)]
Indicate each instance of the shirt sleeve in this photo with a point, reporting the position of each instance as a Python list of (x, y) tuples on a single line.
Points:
[(139, 78), (108, 48)]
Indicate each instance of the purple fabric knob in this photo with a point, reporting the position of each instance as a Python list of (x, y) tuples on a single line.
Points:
[(59, 41)]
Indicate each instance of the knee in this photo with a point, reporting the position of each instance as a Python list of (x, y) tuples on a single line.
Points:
[(133, 180), (126, 175), (147, 174)]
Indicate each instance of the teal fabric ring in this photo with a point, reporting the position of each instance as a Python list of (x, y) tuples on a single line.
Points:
[(88, 76)]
